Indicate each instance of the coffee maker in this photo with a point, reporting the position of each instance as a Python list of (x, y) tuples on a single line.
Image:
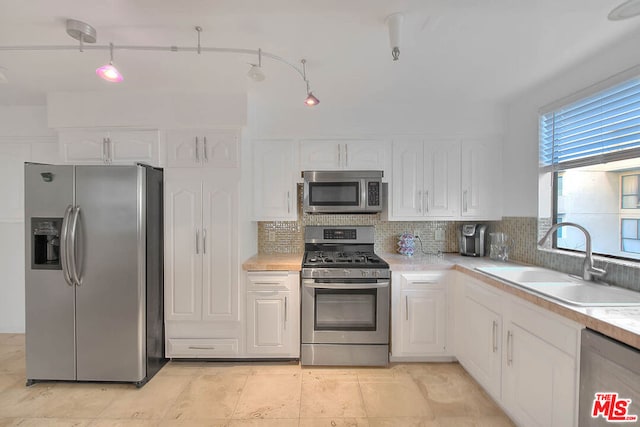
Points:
[(472, 239)]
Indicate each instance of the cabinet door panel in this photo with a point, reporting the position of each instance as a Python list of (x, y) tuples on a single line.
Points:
[(220, 149), (219, 247), (181, 150), (320, 155), (480, 180), (266, 325), (481, 346), (274, 187), (441, 178), (83, 147), (365, 155), (407, 182), (183, 259), (134, 146), (423, 317), (539, 381)]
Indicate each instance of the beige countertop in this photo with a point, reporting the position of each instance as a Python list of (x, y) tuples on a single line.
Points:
[(274, 262), (620, 323)]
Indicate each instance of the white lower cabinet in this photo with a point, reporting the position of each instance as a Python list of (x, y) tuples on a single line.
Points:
[(525, 357), (539, 381), (273, 314), (202, 347), (419, 316), (479, 347)]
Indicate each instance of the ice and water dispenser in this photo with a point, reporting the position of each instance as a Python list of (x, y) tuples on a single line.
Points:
[(45, 243)]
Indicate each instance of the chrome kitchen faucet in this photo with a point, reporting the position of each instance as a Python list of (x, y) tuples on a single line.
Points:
[(589, 272)]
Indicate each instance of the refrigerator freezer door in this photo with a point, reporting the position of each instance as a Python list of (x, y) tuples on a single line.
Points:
[(50, 302), (110, 307)]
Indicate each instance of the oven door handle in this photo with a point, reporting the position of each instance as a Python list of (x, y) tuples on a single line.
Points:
[(310, 283)]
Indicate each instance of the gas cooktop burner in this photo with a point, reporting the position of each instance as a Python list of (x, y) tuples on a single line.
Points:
[(359, 259)]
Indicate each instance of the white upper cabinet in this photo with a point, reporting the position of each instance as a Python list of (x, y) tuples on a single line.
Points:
[(274, 185), (203, 148), (109, 146), (426, 180), (481, 180), (344, 155)]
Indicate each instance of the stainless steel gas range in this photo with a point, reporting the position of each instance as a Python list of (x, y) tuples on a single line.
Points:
[(345, 298)]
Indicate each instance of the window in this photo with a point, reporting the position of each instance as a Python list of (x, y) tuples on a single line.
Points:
[(590, 170), (630, 235), (630, 192)]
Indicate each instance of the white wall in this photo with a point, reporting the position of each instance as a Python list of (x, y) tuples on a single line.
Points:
[(377, 120), (24, 136), (520, 154)]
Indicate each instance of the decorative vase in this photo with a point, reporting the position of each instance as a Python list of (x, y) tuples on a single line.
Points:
[(406, 244)]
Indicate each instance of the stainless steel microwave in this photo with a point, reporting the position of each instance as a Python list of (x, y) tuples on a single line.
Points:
[(342, 191)]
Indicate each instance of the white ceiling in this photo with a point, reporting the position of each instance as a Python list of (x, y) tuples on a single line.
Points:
[(476, 50)]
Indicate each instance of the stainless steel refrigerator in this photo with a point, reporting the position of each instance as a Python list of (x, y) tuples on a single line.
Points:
[(94, 273)]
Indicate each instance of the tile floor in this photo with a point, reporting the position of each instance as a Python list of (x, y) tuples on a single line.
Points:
[(251, 394)]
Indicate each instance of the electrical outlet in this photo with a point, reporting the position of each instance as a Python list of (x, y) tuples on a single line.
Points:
[(416, 234), (440, 235), (272, 236)]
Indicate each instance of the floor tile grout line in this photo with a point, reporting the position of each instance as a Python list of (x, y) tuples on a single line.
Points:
[(235, 407), (175, 400), (364, 405)]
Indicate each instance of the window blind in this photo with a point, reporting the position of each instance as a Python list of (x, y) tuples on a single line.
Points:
[(599, 128)]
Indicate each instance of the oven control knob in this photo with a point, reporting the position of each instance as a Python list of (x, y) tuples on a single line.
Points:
[(346, 272), (376, 273), (364, 273), (326, 272)]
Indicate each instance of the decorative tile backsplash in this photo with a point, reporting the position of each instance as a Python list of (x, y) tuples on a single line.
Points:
[(288, 237)]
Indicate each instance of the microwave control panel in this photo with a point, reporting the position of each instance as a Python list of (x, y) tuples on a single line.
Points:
[(373, 193)]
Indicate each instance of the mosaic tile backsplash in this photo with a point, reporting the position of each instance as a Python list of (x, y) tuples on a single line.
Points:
[(288, 237)]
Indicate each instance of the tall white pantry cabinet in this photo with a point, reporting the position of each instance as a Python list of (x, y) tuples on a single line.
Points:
[(201, 252)]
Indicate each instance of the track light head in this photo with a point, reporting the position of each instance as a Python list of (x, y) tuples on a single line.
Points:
[(394, 22), (311, 100), (626, 10), (255, 73), (108, 72)]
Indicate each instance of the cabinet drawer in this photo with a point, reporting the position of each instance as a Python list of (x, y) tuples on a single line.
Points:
[(264, 281), (555, 330), (422, 280), (202, 347)]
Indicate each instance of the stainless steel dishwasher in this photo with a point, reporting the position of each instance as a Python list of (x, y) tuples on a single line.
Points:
[(609, 377)]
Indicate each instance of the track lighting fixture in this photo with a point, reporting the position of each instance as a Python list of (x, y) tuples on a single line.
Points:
[(255, 72), (310, 100), (626, 10), (394, 22), (108, 72), (85, 33)]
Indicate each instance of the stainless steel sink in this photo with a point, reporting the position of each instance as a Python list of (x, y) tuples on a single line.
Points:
[(565, 288)]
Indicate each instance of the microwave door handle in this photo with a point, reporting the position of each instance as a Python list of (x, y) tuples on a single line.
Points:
[(363, 194), (64, 246)]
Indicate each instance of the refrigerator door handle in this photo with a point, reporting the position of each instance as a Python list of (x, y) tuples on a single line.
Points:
[(72, 247), (64, 246), (204, 241)]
